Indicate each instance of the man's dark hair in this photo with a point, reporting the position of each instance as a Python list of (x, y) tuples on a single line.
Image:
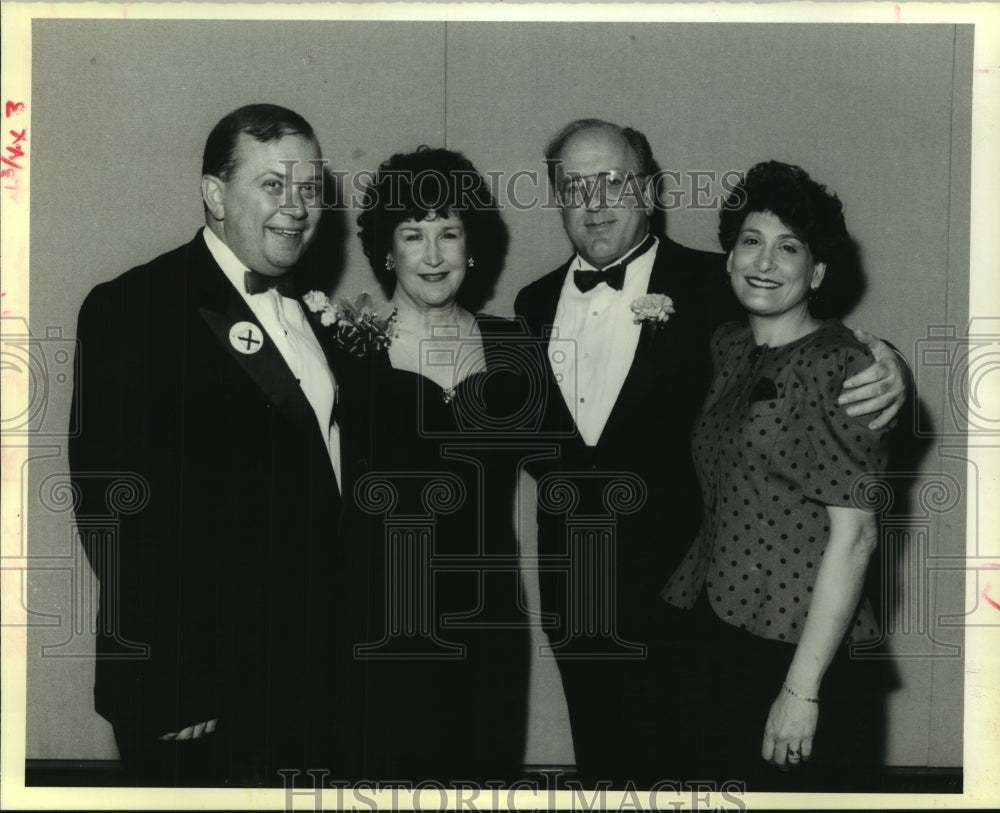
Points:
[(265, 122), (635, 139)]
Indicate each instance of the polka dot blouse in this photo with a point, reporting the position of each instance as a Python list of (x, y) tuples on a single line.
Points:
[(772, 449)]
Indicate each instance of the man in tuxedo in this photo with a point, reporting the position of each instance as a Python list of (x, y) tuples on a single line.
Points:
[(625, 396), (203, 387)]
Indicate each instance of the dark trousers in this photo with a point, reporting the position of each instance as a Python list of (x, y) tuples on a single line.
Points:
[(734, 679), (625, 713)]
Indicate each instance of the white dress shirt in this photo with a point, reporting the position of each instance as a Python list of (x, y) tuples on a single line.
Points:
[(286, 325), (591, 366)]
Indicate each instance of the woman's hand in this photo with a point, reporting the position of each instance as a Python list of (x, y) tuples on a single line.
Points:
[(789, 731), (880, 388)]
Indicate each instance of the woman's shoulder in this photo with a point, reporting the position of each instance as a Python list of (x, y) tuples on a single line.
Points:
[(836, 343), (729, 334), (834, 333), (824, 361)]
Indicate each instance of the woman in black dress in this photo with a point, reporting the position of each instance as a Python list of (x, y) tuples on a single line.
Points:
[(441, 644), (774, 579)]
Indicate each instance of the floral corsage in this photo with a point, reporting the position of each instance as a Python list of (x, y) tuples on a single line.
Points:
[(357, 326), (654, 309)]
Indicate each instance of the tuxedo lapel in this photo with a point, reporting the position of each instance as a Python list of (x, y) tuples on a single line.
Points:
[(540, 312), (540, 309), (222, 308), (653, 353)]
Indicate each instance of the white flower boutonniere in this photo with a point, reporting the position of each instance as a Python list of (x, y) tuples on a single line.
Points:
[(357, 326), (652, 308)]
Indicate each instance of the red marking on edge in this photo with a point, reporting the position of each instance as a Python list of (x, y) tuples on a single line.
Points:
[(897, 13), (986, 595)]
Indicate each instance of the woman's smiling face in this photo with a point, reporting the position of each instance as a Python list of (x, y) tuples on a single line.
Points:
[(430, 260), (771, 270)]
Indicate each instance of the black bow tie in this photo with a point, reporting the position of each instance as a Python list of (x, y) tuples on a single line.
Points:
[(256, 283), (614, 275)]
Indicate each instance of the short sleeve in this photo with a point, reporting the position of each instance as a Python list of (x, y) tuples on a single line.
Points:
[(837, 449)]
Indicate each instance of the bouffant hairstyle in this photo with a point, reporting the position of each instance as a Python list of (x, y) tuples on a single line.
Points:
[(409, 186), (813, 214), (786, 191)]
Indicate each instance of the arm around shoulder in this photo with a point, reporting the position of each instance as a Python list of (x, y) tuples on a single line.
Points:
[(880, 390)]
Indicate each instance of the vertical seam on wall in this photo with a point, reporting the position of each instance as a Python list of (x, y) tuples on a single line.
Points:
[(951, 158), (931, 706), (444, 124)]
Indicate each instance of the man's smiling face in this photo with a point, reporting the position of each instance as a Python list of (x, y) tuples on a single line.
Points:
[(602, 229), (265, 232)]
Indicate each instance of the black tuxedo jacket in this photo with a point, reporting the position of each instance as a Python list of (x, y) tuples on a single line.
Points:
[(648, 433), (216, 585)]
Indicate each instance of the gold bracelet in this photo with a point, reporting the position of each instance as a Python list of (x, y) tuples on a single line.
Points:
[(798, 696)]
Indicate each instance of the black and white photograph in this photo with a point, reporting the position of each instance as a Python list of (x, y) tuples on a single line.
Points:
[(500, 405)]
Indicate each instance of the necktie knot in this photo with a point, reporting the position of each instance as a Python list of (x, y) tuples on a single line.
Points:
[(256, 283), (614, 275)]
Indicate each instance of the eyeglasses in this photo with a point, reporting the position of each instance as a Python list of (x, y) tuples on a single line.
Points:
[(603, 188)]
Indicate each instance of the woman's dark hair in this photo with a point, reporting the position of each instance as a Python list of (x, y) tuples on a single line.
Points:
[(786, 191), (813, 214), (411, 185)]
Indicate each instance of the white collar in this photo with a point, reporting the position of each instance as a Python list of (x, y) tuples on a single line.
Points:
[(225, 258)]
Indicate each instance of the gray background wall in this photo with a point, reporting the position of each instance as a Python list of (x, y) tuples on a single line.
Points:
[(879, 113)]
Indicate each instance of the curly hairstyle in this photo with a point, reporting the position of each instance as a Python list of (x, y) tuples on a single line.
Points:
[(411, 185), (786, 191), (813, 214)]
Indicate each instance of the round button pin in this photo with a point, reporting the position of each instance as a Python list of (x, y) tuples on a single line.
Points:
[(246, 337)]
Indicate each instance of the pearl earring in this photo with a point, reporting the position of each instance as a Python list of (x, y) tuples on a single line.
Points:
[(390, 264), (470, 262)]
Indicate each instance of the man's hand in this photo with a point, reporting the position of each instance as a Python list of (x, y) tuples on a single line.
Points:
[(192, 732), (880, 388)]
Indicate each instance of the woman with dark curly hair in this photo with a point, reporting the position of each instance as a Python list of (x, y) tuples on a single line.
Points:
[(436, 596), (774, 579)]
